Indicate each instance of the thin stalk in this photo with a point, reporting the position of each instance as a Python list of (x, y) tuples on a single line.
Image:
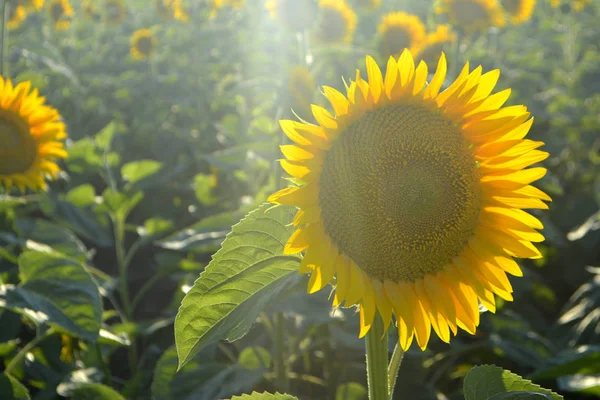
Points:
[(279, 361), (328, 368), (28, 347), (393, 368), (144, 289), (376, 344), (4, 40), (105, 369)]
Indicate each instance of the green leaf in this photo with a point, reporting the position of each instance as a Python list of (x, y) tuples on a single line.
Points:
[(264, 396), (485, 382), (82, 195), (119, 203), (56, 237), (95, 391), (254, 358), (138, 170), (12, 389), (7, 202), (351, 391), (581, 360), (59, 291), (521, 396), (204, 185), (580, 383), (104, 138), (242, 279)]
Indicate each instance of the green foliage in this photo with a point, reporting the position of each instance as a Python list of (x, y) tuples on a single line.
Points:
[(95, 391), (12, 389), (264, 396)]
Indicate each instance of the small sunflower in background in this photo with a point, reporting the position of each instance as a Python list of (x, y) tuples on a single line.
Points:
[(90, 10), (61, 13), (574, 5), (398, 31), (412, 198), (216, 5), (301, 86), (429, 51), (31, 135), (518, 11), (115, 11), (16, 16), (472, 15), (171, 10), (367, 4), (31, 5), (297, 15), (143, 44), (336, 22)]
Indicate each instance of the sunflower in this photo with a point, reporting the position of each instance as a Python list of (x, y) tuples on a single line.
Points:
[(336, 23), (412, 199), (472, 15), (29, 137), (31, 5), (143, 44), (518, 11), (575, 5), (61, 13), (171, 9), (16, 16), (115, 11), (399, 31), (301, 86), (295, 14), (430, 49), (218, 4), (90, 10)]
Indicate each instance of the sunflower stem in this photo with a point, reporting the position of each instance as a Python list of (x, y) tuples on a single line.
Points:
[(377, 360), (4, 41), (28, 347), (279, 361), (393, 368)]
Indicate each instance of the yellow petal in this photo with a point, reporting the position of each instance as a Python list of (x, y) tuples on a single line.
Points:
[(367, 306), (338, 101), (375, 78), (297, 242), (436, 83), (383, 303)]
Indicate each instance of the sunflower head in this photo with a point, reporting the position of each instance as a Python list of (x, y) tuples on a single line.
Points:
[(31, 5), (442, 39), (297, 15), (90, 10), (411, 198), (336, 22), (115, 11), (399, 31), (143, 44), (518, 11), (30, 137), (171, 10), (16, 16), (301, 87), (61, 13), (472, 15)]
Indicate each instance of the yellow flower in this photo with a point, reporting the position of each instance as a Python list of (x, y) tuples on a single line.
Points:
[(171, 9), (61, 13), (90, 10), (31, 5), (295, 14), (218, 4), (143, 44), (518, 11), (576, 5), (472, 15), (16, 16), (301, 87), (412, 198), (115, 11), (336, 23), (30, 134), (399, 31), (431, 48)]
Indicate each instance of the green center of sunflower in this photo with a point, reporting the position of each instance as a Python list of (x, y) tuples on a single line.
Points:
[(431, 53), (395, 40), (332, 26), (399, 192), (469, 13), (144, 45), (18, 149), (512, 6), (56, 11)]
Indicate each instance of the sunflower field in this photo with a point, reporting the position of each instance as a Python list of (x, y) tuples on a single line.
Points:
[(299, 199)]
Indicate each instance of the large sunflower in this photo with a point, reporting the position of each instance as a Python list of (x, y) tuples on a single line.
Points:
[(301, 87), (115, 11), (171, 9), (16, 16), (295, 14), (31, 5), (29, 137), (143, 44), (399, 31), (430, 49), (336, 23), (518, 11), (472, 15), (61, 13), (412, 199)]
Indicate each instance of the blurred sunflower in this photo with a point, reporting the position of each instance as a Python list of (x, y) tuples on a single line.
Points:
[(431, 48), (399, 31), (301, 87), (218, 4), (30, 132), (368, 4), (575, 5), (171, 9), (518, 11), (472, 15), (297, 15), (90, 10), (336, 23), (412, 198), (31, 5), (61, 13), (115, 11), (143, 44), (16, 16)]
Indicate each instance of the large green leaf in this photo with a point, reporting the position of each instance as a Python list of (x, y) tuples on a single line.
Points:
[(95, 391), (264, 396), (57, 290), (581, 360), (138, 170), (12, 389), (487, 382), (245, 275)]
